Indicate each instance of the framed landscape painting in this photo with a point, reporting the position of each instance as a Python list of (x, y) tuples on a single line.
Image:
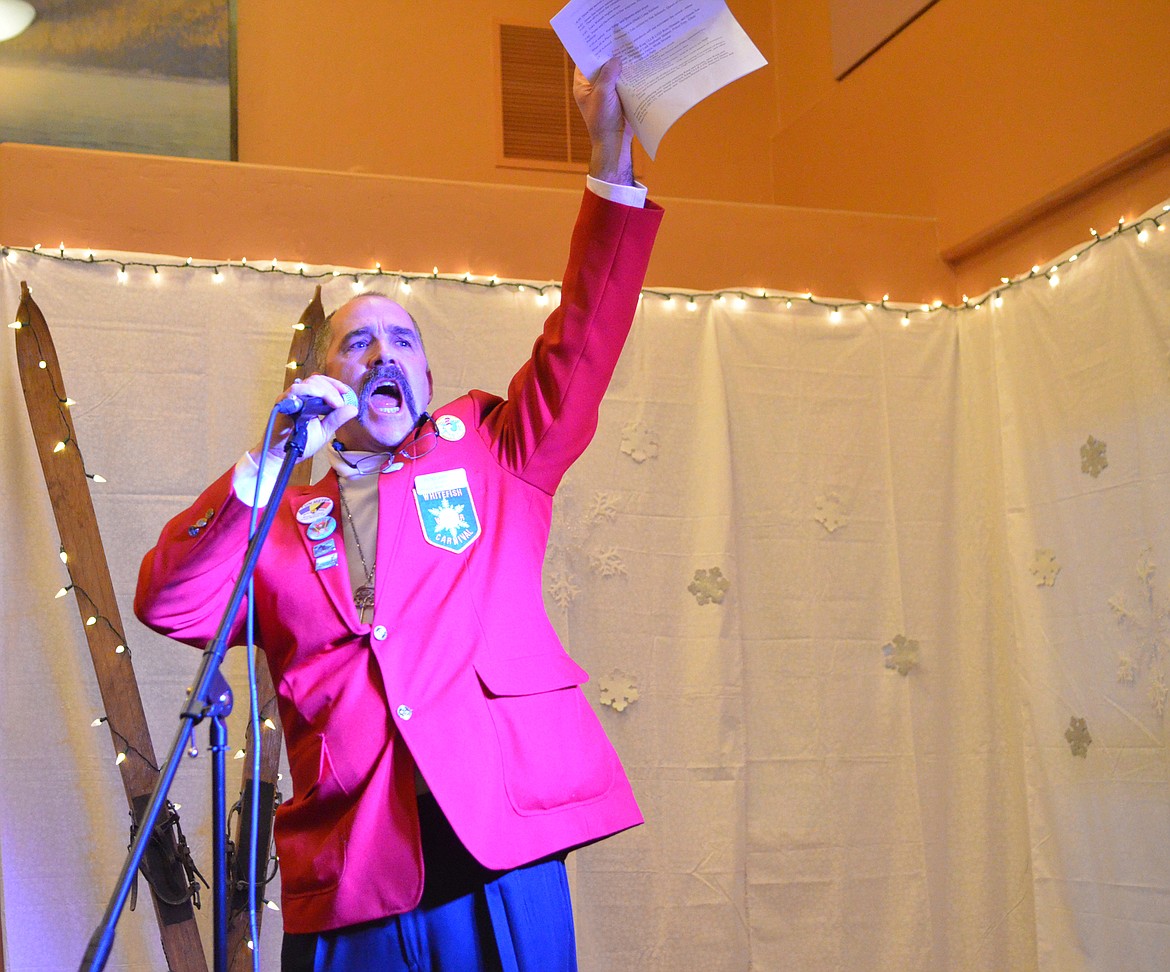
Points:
[(153, 76)]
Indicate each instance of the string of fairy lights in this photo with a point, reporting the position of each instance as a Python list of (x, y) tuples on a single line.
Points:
[(738, 298)]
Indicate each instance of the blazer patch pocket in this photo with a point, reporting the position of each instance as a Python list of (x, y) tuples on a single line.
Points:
[(552, 747)]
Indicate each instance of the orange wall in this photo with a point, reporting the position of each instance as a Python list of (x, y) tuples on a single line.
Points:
[(412, 92), (973, 113), (985, 137)]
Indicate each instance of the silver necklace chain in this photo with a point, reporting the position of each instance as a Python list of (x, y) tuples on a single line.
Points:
[(363, 597)]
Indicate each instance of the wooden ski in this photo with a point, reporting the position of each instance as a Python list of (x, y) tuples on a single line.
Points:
[(81, 543)]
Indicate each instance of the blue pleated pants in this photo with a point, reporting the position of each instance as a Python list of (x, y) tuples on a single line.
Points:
[(515, 921)]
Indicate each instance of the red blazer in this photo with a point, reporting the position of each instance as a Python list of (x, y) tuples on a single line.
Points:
[(460, 671)]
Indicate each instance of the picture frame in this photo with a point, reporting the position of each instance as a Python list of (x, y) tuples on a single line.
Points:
[(144, 76)]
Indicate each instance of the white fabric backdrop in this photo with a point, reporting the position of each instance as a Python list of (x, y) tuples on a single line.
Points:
[(774, 508)]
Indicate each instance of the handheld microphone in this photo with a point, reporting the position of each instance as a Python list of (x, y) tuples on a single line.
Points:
[(311, 405)]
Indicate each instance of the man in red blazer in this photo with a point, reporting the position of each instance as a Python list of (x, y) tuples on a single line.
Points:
[(443, 755)]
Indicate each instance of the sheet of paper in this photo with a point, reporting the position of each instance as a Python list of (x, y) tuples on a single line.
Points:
[(674, 54)]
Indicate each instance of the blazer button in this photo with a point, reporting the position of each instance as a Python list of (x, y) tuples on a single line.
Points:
[(380, 632), (405, 712)]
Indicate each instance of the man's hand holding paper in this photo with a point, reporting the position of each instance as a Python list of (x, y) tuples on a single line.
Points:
[(674, 53)]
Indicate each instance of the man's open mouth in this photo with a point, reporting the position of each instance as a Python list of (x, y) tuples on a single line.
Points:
[(386, 398)]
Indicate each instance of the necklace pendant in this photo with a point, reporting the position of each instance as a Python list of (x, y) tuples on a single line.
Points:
[(363, 598)]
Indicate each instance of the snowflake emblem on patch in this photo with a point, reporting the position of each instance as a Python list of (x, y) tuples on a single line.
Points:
[(561, 588), (709, 586), (1045, 567), (1078, 737), (618, 691), (607, 562), (1147, 622), (449, 518), (901, 654), (639, 442), (831, 512), (1093, 459)]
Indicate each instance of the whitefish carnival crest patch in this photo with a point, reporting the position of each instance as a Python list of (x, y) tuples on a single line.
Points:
[(446, 510)]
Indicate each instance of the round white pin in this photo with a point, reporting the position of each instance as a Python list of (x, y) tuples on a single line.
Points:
[(315, 509), (450, 428)]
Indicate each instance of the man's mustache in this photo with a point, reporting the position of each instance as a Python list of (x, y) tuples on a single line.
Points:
[(381, 376)]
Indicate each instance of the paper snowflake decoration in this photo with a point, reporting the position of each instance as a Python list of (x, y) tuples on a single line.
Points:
[(709, 586), (618, 691), (603, 507), (607, 562), (1093, 459), (1078, 737), (901, 654), (638, 442), (830, 512), (1148, 623), (1045, 568), (561, 588)]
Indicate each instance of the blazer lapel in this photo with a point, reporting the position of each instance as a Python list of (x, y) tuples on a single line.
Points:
[(335, 580)]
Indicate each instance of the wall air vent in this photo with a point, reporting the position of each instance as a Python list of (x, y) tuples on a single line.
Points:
[(540, 126)]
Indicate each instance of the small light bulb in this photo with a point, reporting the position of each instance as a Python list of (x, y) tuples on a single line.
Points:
[(11, 256), (156, 277), (239, 754), (64, 556), (406, 286), (217, 277), (357, 286), (269, 724), (299, 326), (542, 299), (835, 316), (998, 301), (251, 945), (120, 650), (292, 366), (1035, 268), (98, 721), (123, 276), (691, 305), (120, 760), (905, 320), (98, 478), (739, 303), (190, 261), (59, 447), (271, 906), (15, 325), (42, 364), (788, 304), (1143, 235), (62, 592), (1053, 279), (1073, 258), (91, 621)]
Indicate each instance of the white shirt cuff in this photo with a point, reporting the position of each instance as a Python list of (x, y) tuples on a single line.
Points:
[(634, 195), (244, 480)]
